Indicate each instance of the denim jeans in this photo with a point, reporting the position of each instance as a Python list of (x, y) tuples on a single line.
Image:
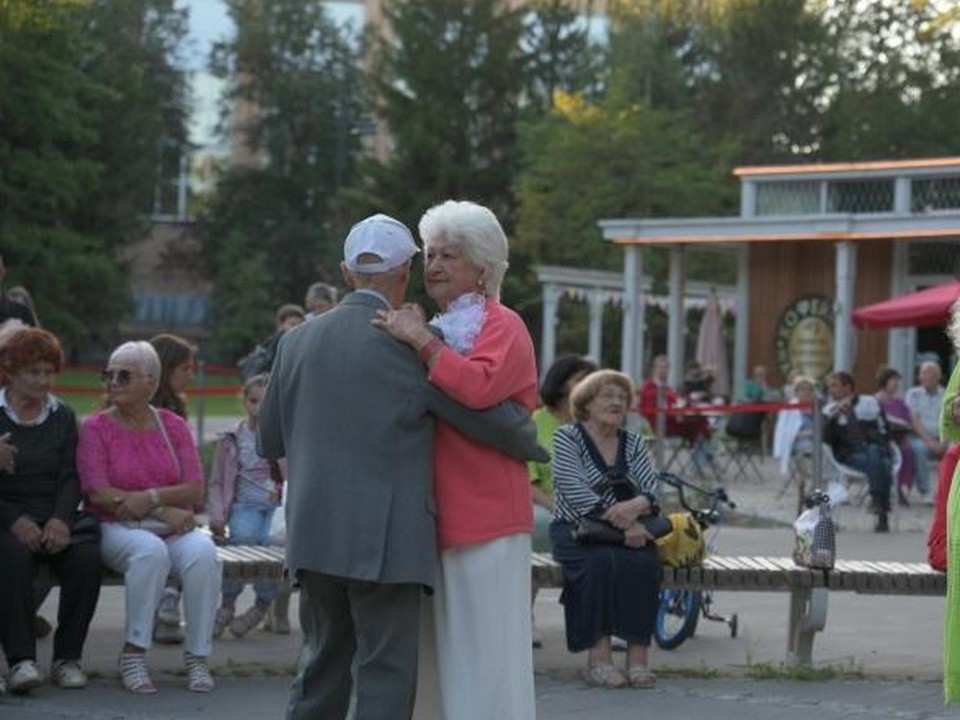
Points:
[(250, 526), (921, 464), (873, 461)]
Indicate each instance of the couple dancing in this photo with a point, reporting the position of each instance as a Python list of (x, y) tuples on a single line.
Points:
[(384, 503)]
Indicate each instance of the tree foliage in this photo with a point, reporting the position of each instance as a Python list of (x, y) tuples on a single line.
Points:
[(447, 78), (87, 90), (293, 106)]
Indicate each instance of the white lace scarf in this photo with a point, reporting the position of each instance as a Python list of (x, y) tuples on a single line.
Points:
[(462, 321)]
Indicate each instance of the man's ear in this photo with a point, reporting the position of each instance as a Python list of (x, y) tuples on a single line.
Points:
[(347, 275)]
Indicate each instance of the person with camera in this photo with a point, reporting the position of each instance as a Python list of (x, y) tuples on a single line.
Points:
[(609, 588)]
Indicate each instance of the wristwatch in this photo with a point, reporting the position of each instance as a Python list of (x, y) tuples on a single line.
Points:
[(154, 497)]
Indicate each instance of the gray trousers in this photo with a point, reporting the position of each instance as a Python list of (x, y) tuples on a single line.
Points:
[(352, 626)]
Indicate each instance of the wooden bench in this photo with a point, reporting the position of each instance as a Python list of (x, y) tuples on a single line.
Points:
[(808, 588), (245, 563)]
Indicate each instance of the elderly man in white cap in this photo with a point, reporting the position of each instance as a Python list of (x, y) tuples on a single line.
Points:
[(351, 410)]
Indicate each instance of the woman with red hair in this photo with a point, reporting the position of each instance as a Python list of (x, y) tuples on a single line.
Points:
[(39, 496)]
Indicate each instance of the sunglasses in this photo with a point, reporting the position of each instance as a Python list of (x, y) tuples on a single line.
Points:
[(120, 377)]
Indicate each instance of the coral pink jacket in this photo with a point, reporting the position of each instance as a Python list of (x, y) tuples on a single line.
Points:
[(481, 494)]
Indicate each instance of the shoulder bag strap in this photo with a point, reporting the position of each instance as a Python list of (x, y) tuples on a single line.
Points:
[(166, 440)]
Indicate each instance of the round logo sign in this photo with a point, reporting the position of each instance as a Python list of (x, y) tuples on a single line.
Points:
[(804, 339)]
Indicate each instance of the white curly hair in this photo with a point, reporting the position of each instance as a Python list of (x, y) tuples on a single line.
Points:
[(478, 231)]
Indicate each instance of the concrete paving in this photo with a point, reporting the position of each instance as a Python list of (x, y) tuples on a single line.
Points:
[(879, 657)]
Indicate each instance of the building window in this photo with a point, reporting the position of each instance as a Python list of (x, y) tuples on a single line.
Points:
[(159, 308), (934, 258), (941, 193), (791, 197), (859, 196), (172, 192)]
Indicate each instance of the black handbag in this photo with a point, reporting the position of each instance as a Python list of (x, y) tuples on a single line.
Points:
[(593, 531)]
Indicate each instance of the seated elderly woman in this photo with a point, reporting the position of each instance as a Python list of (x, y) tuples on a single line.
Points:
[(140, 471), (608, 589), (39, 521)]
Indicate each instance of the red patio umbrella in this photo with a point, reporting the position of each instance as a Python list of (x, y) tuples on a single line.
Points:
[(930, 306)]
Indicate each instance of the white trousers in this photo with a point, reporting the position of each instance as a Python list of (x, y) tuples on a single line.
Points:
[(476, 645), (145, 560)]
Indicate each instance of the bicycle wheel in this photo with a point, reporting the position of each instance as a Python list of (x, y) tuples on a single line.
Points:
[(677, 617)]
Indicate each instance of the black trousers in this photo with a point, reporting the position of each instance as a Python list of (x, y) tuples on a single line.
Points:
[(77, 568)]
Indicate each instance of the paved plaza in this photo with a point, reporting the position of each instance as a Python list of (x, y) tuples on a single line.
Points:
[(879, 657)]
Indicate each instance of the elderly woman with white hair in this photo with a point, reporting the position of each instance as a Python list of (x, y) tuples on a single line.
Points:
[(140, 473), (484, 507)]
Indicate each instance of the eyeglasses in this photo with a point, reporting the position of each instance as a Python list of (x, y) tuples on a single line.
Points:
[(614, 395), (120, 377)]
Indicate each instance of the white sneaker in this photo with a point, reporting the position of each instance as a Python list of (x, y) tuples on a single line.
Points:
[(24, 676), (67, 675)]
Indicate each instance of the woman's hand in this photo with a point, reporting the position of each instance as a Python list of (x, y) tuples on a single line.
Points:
[(27, 532), (180, 520), (134, 505), (8, 453), (405, 324), (219, 531), (623, 514), (56, 536), (636, 536)]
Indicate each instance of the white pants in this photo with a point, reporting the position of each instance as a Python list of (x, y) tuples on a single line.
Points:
[(145, 560), (477, 653)]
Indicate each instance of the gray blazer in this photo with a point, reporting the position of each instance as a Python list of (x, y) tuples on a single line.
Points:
[(352, 411)]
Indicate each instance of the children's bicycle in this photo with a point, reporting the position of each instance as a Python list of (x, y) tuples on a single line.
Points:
[(680, 609)]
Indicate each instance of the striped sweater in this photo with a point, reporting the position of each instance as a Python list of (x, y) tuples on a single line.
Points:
[(577, 476)]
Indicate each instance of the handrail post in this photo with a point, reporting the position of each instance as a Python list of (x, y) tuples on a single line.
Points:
[(661, 426), (817, 447)]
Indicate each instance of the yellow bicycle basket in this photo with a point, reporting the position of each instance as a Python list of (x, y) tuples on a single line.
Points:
[(685, 544)]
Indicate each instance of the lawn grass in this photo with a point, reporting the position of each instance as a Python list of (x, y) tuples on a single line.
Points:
[(82, 390)]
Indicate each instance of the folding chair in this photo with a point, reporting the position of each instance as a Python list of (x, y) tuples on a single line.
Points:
[(742, 438)]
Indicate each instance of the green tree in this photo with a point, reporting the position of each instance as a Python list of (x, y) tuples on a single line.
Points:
[(292, 111), (560, 54), (585, 162), (898, 89), (447, 79), (75, 162)]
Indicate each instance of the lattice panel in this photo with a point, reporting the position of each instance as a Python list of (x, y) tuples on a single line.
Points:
[(860, 196), (936, 194), (793, 197), (934, 258)]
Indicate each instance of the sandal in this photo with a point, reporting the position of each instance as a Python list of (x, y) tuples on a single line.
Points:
[(641, 677), (606, 676), (198, 674), (134, 674)]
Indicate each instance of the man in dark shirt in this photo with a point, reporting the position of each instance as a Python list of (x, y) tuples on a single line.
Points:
[(857, 431)]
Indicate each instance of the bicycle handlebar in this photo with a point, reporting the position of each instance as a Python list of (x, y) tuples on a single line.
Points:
[(718, 496)]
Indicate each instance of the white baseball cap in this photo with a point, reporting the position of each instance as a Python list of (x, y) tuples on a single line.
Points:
[(379, 235)]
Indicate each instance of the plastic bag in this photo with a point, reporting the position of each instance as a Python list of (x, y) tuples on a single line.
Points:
[(815, 543), (278, 524)]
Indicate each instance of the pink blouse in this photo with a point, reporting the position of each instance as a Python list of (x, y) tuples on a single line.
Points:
[(110, 455), (481, 493)]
